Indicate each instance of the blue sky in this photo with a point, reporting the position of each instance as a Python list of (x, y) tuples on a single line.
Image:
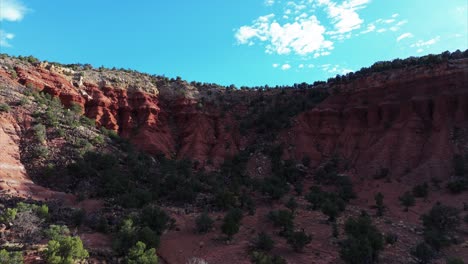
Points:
[(242, 42)]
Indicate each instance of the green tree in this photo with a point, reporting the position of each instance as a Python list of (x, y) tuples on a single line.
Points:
[(455, 261), (423, 253), (283, 219), (291, 204), (10, 257), (440, 224), (379, 203), (138, 254), (363, 241), (421, 191), (231, 223), (298, 240), (264, 258), (407, 200), (264, 242), (331, 210), (65, 250), (8, 215), (204, 223)]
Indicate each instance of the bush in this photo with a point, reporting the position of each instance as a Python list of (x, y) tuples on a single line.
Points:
[(298, 240), (54, 232), (264, 242), (10, 257), (363, 243), (379, 203), (40, 132), (292, 204), (423, 253), (4, 108), (65, 249), (407, 200), (126, 237), (138, 254), (421, 191), (8, 215), (391, 238), (331, 210), (231, 223), (155, 218), (455, 261), (264, 258), (204, 223), (439, 225), (458, 185), (283, 219)]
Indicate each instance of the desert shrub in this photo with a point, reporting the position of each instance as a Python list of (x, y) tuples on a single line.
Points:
[(315, 197), (439, 225), (4, 108), (421, 190), (126, 237), (379, 203), (78, 217), (264, 258), (40, 151), (54, 232), (454, 260), (231, 223), (65, 249), (459, 165), (264, 242), (291, 204), (381, 173), (40, 132), (330, 209), (139, 254), (363, 242), (391, 238), (298, 240), (204, 223), (8, 215), (423, 253), (10, 257), (458, 185), (155, 218), (27, 226), (283, 219), (407, 200)]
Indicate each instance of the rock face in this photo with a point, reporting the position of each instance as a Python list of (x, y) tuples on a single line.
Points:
[(13, 177), (400, 119)]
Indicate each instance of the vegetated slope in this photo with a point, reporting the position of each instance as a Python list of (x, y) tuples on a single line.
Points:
[(214, 148)]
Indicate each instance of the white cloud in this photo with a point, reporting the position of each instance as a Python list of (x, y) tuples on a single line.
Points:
[(422, 44), (344, 16), (304, 36), (275, 65), (301, 66), (4, 38), (269, 2), (286, 67), (403, 36), (334, 69), (12, 10), (371, 27)]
